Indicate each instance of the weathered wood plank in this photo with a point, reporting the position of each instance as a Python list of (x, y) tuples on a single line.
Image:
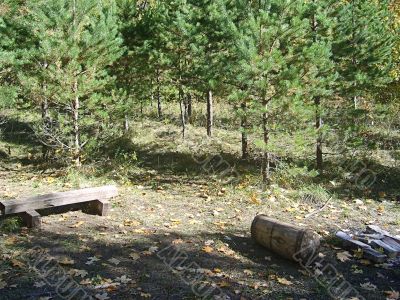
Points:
[(389, 251), (32, 219), (57, 199), (351, 244)]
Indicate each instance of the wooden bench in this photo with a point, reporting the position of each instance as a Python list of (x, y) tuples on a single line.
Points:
[(89, 200)]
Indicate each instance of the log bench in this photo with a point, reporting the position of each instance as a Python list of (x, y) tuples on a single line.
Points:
[(90, 200)]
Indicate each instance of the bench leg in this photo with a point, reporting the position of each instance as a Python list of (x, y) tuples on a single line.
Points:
[(98, 207), (32, 219)]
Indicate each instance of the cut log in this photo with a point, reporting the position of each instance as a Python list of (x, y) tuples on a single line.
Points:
[(350, 244), (288, 241), (57, 199)]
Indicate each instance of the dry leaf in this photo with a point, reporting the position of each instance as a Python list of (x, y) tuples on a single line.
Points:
[(92, 260), (392, 295), (78, 224), (343, 256), (283, 281), (123, 279), (207, 249), (368, 286), (114, 261), (66, 261), (103, 296), (3, 284), (17, 263), (39, 284), (248, 272), (134, 256)]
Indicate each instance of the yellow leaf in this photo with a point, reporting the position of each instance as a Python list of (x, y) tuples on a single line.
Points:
[(283, 281), (392, 295), (343, 256), (78, 224), (17, 263), (66, 261), (207, 249)]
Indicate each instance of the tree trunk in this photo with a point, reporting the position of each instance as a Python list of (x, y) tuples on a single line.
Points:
[(318, 125), (188, 108), (209, 113), (266, 158), (45, 120), (243, 124), (182, 109), (317, 103), (75, 117), (126, 123), (159, 108)]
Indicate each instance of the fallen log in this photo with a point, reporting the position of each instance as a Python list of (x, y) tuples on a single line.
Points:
[(286, 240)]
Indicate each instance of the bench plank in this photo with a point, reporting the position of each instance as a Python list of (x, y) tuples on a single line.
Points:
[(57, 199)]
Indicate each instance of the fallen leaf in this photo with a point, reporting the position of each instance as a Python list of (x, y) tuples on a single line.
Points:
[(368, 286), (343, 256), (207, 249), (66, 261), (283, 281), (103, 296), (134, 256), (123, 279), (78, 273), (76, 225), (248, 272), (17, 263), (392, 295), (39, 284), (114, 261), (92, 260), (3, 284)]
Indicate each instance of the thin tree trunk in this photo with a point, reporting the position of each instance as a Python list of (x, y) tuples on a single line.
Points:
[(209, 112), (159, 108), (75, 116), (45, 120), (317, 104), (266, 157), (182, 109), (188, 108), (126, 123), (243, 124), (318, 124)]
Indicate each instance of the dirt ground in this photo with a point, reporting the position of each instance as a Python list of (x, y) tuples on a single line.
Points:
[(127, 255)]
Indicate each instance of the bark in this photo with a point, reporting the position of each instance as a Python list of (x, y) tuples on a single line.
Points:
[(188, 108), (159, 108), (209, 113), (265, 169), (243, 124), (318, 124), (126, 123), (75, 118), (182, 109), (317, 104), (45, 120)]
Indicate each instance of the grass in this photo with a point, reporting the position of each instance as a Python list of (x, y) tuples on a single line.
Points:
[(175, 192)]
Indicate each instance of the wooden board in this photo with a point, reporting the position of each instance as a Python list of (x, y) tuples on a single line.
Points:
[(57, 199), (350, 244)]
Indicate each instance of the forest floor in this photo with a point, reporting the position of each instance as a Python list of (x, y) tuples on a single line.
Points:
[(171, 197)]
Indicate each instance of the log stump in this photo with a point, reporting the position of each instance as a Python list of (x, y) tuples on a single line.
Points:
[(286, 240)]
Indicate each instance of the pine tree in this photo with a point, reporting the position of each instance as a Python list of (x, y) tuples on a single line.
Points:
[(362, 47), (67, 72)]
